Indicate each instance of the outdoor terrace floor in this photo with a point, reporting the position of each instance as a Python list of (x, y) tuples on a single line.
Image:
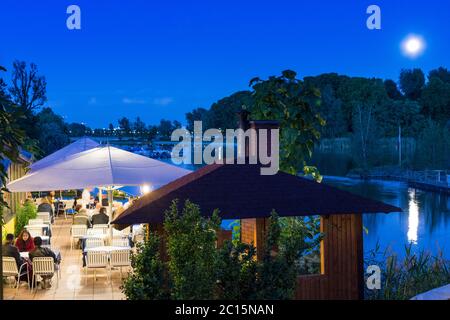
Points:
[(72, 285)]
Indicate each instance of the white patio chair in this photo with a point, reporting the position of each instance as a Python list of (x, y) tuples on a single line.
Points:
[(45, 216), (61, 207), (120, 259), (96, 260), (103, 227), (81, 220), (122, 242), (93, 232), (44, 266), (35, 231), (10, 270), (94, 243), (77, 231), (35, 221), (68, 210)]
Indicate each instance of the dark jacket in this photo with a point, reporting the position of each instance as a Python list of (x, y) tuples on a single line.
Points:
[(40, 252), (45, 207), (11, 251), (100, 218)]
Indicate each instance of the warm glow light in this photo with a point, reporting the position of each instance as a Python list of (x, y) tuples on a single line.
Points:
[(413, 218), (145, 189), (413, 46)]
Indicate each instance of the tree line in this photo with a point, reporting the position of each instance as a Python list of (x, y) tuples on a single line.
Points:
[(44, 131), (364, 110)]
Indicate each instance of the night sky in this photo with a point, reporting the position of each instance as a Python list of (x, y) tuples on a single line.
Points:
[(161, 59)]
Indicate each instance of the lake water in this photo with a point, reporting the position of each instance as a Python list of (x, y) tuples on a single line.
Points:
[(424, 222)]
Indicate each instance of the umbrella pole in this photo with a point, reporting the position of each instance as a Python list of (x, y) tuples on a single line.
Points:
[(100, 195), (110, 205)]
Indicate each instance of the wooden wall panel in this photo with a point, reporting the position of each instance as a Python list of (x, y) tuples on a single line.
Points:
[(342, 261)]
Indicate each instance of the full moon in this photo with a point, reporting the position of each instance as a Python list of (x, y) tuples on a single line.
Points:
[(413, 46)]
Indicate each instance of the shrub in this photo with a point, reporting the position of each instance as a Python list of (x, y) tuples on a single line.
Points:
[(24, 214), (236, 271), (191, 248), (147, 282)]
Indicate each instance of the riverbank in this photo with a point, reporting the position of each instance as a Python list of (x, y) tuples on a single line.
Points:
[(429, 180)]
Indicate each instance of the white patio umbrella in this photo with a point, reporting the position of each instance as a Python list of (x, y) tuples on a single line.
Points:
[(77, 146), (105, 167)]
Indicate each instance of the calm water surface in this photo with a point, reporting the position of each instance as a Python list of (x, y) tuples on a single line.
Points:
[(424, 222)]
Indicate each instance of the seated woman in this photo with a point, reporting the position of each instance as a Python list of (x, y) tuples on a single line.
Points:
[(24, 241)]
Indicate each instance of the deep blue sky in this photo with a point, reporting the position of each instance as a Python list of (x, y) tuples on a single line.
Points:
[(160, 59)]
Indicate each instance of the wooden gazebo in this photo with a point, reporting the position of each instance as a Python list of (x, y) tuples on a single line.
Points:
[(241, 192)]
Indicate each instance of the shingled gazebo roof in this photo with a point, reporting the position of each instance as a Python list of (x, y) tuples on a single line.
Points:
[(240, 191)]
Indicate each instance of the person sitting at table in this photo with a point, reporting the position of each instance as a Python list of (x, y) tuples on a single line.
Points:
[(9, 250), (40, 252), (82, 217), (101, 217), (24, 241), (45, 206)]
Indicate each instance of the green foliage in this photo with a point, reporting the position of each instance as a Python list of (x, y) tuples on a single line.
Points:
[(433, 147), (295, 105), (412, 82), (196, 269), (236, 271), (198, 114), (147, 281), (436, 99), (53, 131), (402, 279), (300, 241), (401, 113), (191, 249), (285, 245), (26, 212)]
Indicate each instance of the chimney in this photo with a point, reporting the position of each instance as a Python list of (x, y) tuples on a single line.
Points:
[(257, 125)]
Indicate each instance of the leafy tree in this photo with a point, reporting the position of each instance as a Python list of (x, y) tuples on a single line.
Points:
[(331, 111), (176, 124), (28, 87), (295, 105), (53, 131), (12, 139), (147, 281), (192, 253), (400, 113), (139, 126), (165, 128), (412, 83), (433, 147), (441, 73), (392, 90), (198, 114), (111, 129), (223, 113), (278, 272), (124, 125), (77, 129), (368, 97), (152, 132), (236, 272), (436, 99)]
